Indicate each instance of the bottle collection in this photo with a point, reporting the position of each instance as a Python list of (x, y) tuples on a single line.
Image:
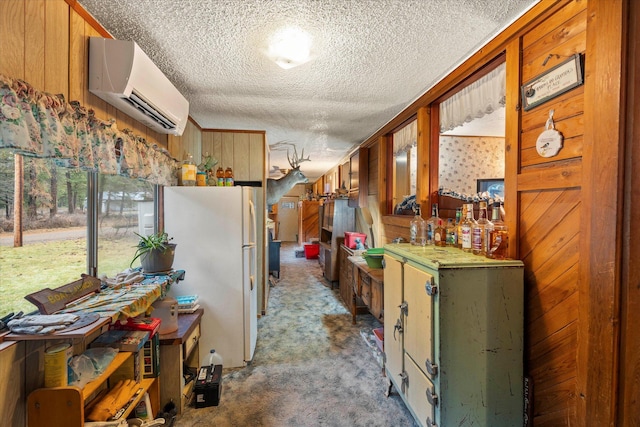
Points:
[(482, 236), (203, 174)]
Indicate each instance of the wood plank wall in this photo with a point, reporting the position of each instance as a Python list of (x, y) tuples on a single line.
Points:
[(549, 222)]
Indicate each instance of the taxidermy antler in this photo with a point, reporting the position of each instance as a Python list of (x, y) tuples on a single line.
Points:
[(276, 188)]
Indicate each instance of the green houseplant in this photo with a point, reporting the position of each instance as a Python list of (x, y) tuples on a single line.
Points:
[(155, 252)]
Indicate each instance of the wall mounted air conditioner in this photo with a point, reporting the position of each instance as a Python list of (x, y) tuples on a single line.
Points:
[(124, 76)]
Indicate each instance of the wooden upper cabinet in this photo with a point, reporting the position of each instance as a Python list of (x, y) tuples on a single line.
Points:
[(244, 152), (359, 178)]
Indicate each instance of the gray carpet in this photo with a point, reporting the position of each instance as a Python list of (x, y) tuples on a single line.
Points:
[(311, 367)]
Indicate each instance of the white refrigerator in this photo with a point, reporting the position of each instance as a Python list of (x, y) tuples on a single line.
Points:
[(215, 232)]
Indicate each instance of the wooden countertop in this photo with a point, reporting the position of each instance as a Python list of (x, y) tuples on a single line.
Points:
[(186, 325), (374, 273)]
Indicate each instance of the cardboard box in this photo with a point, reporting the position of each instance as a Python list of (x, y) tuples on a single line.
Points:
[(151, 355)]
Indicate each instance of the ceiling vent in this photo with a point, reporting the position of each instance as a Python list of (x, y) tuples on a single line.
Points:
[(124, 76)]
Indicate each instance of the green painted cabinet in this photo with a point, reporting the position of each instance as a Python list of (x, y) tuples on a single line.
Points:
[(453, 335)]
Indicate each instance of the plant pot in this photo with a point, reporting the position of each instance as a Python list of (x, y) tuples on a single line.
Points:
[(158, 261)]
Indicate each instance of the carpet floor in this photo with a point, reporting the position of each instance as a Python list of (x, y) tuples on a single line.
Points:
[(311, 367)]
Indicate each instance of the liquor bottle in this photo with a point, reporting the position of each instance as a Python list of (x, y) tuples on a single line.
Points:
[(432, 224), (498, 244), (220, 177), (228, 177), (440, 233), (188, 171), (460, 215), (418, 229), (452, 233), (465, 229), (478, 236)]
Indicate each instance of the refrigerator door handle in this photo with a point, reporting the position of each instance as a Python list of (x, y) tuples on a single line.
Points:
[(252, 219)]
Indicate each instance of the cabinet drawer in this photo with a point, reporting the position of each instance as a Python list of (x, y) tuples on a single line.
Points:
[(190, 342), (420, 394)]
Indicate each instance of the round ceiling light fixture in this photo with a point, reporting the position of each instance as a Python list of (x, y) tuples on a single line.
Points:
[(290, 47)]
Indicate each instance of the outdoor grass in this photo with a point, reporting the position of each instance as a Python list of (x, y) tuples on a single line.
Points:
[(35, 266)]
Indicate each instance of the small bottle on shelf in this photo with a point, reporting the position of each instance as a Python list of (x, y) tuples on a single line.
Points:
[(418, 229), (440, 232), (188, 171), (220, 177), (478, 236), (228, 177), (452, 233), (432, 224), (465, 227), (461, 214), (498, 243)]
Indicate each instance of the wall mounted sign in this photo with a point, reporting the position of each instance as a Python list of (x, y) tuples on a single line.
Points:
[(549, 142), (558, 80)]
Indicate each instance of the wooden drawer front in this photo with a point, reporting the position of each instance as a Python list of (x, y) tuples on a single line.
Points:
[(191, 341), (365, 282), (420, 393)]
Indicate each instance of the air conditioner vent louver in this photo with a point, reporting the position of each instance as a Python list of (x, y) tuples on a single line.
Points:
[(149, 111), (124, 76)]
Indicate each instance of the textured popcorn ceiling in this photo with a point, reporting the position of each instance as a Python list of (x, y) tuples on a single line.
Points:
[(371, 59)]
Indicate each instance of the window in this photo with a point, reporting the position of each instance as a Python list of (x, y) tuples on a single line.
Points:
[(54, 221), (54, 249), (405, 166), (126, 207)]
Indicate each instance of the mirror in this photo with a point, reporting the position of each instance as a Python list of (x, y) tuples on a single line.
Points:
[(472, 136), (405, 166)]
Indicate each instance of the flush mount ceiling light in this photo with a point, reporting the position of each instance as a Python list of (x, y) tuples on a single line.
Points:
[(290, 47)]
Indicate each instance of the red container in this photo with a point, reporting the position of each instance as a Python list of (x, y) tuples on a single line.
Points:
[(350, 239), (311, 251)]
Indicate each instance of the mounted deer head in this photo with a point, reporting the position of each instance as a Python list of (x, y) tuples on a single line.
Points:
[(276, 188)]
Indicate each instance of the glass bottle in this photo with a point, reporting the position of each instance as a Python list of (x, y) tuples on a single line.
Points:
[(188, 171), (463, 216), (220, 176), (418, 229), (228, 177), (498, 243), (465, 227), (440, 232), (478, 236), (452, 232), (432, 224)]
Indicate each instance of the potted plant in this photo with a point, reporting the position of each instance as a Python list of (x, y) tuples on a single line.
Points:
[(155, 252)]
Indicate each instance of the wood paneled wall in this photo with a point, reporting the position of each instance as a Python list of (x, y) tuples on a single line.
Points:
[(223, 144), (570, 224), (550, 208)]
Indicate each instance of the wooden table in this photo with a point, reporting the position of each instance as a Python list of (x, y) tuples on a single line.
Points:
[(177, 349), (368, 284)]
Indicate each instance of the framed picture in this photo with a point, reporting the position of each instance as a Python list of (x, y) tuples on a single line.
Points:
[(494, 186), (558, 80)]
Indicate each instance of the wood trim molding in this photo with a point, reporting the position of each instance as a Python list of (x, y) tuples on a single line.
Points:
[(73, 4), (601, 220)]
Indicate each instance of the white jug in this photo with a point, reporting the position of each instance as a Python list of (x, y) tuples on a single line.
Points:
[(167, 311)]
